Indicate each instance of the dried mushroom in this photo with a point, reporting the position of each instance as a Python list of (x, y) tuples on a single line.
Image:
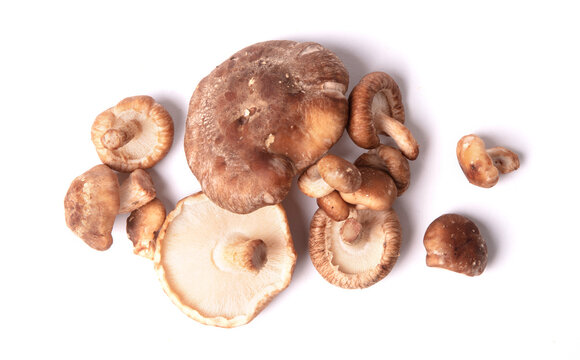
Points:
[(143, 226), (135, 134), (357, 252), (136, 191), (222, 268), (261, 117)]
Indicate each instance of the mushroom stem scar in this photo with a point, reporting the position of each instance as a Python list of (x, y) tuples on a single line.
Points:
[(115, 138), (503, 159), (249, 255), (350, 231), (399, 132)]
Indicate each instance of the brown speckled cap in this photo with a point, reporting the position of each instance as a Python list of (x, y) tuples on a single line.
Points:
[(453, 242), (264, 115)]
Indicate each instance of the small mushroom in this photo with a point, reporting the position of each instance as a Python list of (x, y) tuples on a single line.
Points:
[(390, 160), (376, 108), (334, 206), (136, 191), (135, 134), (91, 205), (453, 242), (222, 268), (143, 226), (261, 117), (357, 252), (328, 174), (482, 166), (377, 191)]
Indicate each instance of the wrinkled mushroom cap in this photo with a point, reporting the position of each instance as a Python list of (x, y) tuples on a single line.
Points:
[(265, 114), (375, 92), (366, 261), (91, 205), (188, 260), (453, 242), (152, 138)]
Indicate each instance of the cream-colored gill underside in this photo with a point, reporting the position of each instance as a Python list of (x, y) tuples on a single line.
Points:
[(142, 144), (188, 252), (366, 253)]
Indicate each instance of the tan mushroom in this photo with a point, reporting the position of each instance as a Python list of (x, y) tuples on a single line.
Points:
[(91, 205), (357, 252), (377, 191), (482, 166), (136, 191), (135, 134), (261, 117), (143, 226), (390, 160), (334, 206), (376, 108), (328, 174), (453, 242), (222, 268)]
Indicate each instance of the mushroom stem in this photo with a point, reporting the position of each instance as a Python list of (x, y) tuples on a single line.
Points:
[(503, 159), (350, 231), (399, 132), (115, 138), (246, 254)]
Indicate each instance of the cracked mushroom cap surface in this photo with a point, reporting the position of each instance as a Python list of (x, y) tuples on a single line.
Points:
[(134, 134), (91, 205), (222, 268), (356, 252), (262, 116)]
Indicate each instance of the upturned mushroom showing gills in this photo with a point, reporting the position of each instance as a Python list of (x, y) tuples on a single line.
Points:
[(356, 252), (376, 108), (135, 134), (222, 268), (482, 166), (91, 205), (261, 117)]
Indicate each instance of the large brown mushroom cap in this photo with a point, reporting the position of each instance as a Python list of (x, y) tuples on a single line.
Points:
[(357, 252), (135, 134), (222, 268), (453, 242), (265, 114), (91, 205)]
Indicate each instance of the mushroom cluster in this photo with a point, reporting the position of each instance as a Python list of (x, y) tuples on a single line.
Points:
[(130, 137), (355, 236)]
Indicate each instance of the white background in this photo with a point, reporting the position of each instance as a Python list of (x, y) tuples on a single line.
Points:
[(508, 71)]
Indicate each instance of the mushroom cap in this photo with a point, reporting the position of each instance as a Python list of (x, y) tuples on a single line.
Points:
[(187, 260), (91, 205), (375, 92), (265, 114), (475, 162), (340, 174), (363, 263), (151, 141), (137, 190), (334, 206), (453, 242), (143, 226), (390, 160), (377, 191)]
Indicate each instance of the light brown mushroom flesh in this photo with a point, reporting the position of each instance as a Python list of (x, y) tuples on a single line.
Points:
[(453, 242), (137, 190), (222, 268), (135, 134), (91, 205), (357, 252), (261, 117), (376, 108), (482, 166), (143, 226)]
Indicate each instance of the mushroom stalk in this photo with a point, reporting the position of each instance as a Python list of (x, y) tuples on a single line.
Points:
[(503, 159), (246, 254), (115, 138), (399, 132), (350, 231)]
